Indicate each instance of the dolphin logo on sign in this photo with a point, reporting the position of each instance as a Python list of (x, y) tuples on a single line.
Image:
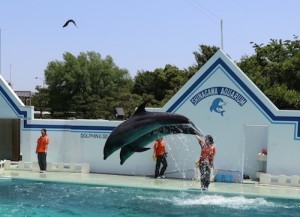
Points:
[(217, 106)]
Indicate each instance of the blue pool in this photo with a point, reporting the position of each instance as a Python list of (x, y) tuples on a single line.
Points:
[(36, 198)]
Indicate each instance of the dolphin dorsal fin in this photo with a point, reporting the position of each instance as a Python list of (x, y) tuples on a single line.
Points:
[(140, 109)]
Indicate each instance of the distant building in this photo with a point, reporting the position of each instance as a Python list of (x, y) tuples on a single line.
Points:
[(25, 96)]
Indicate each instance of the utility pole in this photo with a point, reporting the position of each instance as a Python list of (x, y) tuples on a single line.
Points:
[(0, 52), (42, 80), (10, 75), (222, 46), (209, 14)]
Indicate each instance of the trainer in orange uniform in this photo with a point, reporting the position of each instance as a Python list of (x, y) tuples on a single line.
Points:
[(41, 150), (160, 155), (206, 161)]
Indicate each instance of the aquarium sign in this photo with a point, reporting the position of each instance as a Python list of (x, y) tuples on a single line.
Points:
[(219, 91)]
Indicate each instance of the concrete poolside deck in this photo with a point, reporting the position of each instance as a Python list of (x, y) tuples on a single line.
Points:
[(246, 188)]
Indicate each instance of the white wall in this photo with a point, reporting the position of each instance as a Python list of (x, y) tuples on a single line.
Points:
[(256, 139), (85, 146), (76, 141), (283, 151)]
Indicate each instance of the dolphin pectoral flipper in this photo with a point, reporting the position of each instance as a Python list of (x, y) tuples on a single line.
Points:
[(129, 150), (138, 149)]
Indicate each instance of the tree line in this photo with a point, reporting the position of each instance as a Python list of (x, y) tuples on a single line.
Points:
[(89, 86)]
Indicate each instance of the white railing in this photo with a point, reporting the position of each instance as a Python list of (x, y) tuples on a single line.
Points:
[(279, 180), (2, 162), (51, 167)]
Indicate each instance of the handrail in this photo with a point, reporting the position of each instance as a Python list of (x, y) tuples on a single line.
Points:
[(53, 167), (279, 180), (2, 162)]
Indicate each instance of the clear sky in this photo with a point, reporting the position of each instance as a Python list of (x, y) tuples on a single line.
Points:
[(138, 34)]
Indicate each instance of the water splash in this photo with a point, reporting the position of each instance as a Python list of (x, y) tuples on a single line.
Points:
[(184, 151), (236, 202)]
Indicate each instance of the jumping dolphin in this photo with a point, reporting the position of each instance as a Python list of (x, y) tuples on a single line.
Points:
[(139, 144), (141, 123)]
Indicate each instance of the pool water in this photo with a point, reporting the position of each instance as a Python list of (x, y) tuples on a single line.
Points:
[(35, 198)]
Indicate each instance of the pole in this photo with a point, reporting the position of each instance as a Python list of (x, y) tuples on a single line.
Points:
[(222, 46), (10, 75), (43, 80), (0, 51)]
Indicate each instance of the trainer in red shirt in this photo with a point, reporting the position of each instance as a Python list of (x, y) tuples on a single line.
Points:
[(160, 154), (41, 150)]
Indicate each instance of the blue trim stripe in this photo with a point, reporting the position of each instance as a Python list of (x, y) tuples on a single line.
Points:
[(23, 114), (255, 98), (19, 113), (193, 87), (67, 127)]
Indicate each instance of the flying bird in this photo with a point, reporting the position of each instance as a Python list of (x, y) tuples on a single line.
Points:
[(69, 21)]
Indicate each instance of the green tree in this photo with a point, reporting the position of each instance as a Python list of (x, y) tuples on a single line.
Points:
[(144, 83), (160, 85), (80, 86), (40, 101), (275, 69), (202, 56), (88, 86)]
